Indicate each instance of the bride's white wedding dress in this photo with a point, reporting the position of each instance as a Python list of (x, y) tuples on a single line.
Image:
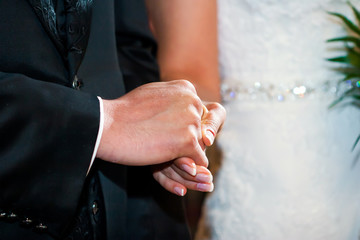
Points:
[(288, 171)]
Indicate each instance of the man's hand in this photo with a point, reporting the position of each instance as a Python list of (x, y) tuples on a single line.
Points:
[(153, 124), (182, 174), (213, 118)]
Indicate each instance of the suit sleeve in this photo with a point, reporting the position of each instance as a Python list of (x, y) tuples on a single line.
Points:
[(47, 137)]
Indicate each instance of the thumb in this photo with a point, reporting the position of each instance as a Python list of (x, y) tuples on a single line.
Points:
[(212, 122)]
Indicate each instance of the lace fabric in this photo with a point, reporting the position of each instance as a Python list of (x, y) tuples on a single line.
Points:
[(288, 171)]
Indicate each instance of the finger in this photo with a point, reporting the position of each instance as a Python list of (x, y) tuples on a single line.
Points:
[(204, 112), (192, 147), (212, 122), (186, 164), (201, 142), (169, 184), (170, 173), (199, 156), (203, 175)]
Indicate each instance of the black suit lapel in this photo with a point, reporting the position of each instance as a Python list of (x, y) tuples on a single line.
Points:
[(45, 11), (77, 27)]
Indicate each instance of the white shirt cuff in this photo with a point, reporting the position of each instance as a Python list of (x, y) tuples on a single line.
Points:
[(101, 128)]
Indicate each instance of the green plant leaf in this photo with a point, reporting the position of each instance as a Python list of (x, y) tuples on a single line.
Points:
[(347, 22), (354, 40), (352, 60), (342, 97), (348, 92), (356, 97), (349, 76), (355, 11), (356, 104), (343, 59), (336, 102), (356, 142), (354, 57), (348, 70)]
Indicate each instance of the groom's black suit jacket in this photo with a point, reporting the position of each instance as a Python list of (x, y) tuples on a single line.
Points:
[(49, 124)]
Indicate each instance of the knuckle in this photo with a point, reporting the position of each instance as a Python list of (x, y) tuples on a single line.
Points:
[(197, 102), (192, 116), (187, 84), (214, 105), (222, 109), (212, 124), (197, 124), (167, 185), (217, 106), (170, 174), (182, 160), (216, 115), (189, 136), (192, 141), (156, 176)]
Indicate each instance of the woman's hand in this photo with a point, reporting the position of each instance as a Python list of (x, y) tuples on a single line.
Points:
[(182, 174), (186, 34)]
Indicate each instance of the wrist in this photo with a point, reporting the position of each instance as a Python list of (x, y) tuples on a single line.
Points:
[(108, 120)]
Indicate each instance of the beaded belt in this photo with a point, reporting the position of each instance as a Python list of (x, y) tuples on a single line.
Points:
[(234, 90)]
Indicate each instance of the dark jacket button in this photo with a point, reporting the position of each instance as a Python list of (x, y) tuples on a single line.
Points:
[(41, 227), (76, 83), (2, 215), (11, 217), (26, 222), (95, 208), (76, 50)]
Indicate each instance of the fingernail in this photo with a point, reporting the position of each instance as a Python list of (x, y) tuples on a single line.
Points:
[(204, 178), (205, 187), (179, 191), (210, 135), (190, 170)]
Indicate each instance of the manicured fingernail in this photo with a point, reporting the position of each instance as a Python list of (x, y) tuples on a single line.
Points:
[(179, 191), (206, 178), (205, 187), (190, 170), (210, 135)]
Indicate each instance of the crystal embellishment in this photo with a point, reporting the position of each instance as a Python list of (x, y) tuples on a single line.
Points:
[(233, 90)]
